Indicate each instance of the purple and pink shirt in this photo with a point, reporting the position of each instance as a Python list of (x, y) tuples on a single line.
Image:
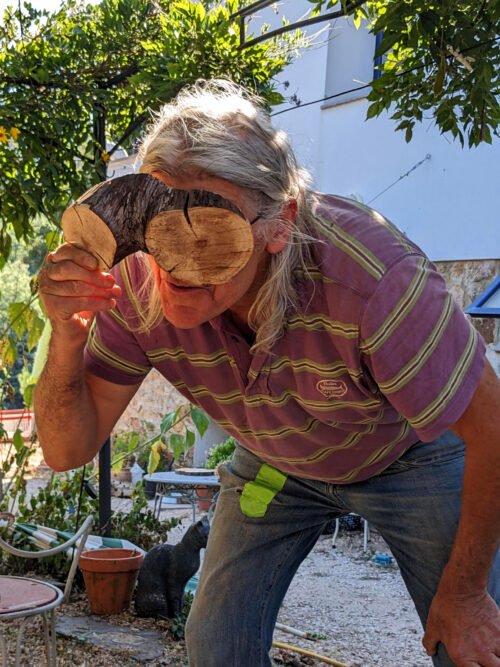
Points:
[(377, 357)]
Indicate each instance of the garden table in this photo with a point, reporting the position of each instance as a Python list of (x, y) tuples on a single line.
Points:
[(170, 483)]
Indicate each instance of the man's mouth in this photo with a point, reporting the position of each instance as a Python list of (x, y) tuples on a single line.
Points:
[(179, 284)]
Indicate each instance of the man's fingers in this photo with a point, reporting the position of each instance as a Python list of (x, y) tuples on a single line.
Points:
[(72, 253), (430, 643), (66, 308), (68, 270), (76, 289)]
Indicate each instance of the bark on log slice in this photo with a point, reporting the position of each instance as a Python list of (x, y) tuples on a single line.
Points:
[(198, 236)]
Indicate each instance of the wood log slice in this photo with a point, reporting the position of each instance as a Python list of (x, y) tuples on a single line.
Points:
[(209, 249), (198, 236)]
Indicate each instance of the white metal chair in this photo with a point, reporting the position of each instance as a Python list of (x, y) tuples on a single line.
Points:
[(366, 533), (22, 597)]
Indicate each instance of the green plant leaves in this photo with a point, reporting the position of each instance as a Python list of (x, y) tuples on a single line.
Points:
[(176, 444), (166, 422), (18, 440), (441, 60), (17, 317), (120, 59), (8, 350), (28, 394), (200, 420)]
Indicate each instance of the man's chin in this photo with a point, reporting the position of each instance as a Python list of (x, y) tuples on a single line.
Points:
[(187, 321), (183, 325)]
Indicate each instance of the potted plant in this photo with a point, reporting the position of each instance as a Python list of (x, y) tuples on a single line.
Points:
[(123, 444)]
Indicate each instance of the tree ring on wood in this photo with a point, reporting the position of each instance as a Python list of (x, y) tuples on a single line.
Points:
[(206, 246), (84, 229)]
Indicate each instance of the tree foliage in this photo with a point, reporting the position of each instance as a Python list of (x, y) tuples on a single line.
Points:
[(441, 60), (20, 317), (86, 75), (84, 78)]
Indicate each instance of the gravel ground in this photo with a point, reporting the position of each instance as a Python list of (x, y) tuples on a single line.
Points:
[(362, 609), (359, 611)]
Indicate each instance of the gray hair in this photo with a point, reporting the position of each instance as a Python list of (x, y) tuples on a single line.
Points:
[(220, 129)]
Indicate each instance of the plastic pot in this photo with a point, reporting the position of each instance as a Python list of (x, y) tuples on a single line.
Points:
[(110, 576)]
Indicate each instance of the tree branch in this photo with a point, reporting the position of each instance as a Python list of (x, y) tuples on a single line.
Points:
[(135, 125), (120, 78)]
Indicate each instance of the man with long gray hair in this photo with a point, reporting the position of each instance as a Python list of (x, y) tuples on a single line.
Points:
[(336, 357)]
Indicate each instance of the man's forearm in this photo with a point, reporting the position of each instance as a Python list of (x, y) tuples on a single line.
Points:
[(478, 534), (64, 409), (463, 616)]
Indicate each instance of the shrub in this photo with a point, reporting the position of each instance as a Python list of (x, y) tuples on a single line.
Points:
[(220, 453), (55, 506)]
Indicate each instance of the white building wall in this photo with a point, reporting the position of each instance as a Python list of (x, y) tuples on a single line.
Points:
[(448, 205)]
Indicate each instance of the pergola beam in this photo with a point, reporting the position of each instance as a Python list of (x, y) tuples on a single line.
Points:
[(241, 14)]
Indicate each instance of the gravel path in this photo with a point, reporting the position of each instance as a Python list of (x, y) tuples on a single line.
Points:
[(362, 609)]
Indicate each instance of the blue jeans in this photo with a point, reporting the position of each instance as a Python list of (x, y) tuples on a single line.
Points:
[(250, 562)]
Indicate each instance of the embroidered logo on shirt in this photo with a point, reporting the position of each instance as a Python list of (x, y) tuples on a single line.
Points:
[(332, 388)]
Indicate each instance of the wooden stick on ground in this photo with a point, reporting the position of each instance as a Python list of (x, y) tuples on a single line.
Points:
[(297, 649)]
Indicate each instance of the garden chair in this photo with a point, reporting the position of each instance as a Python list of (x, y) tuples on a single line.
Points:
[(22, 597), (366, 532)]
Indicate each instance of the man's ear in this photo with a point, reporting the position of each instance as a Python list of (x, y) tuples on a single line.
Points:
[(281, 235)]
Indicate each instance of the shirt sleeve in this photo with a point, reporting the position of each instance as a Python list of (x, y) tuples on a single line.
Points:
[(419, 347), (113, 351)]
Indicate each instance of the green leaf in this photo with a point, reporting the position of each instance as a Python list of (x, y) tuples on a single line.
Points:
[(133, 442), (17, 317), (200, 420), (166, 422), (117, 463), (28, 394), (189, 440), (8, 351), (440, 76), (53, 240), (18, 440), (374, 110), (35, 326), (176, 445)]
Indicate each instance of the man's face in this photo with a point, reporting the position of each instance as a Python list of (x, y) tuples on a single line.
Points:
[(185, 306)]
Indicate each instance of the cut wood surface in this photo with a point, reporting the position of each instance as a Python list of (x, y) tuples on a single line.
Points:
[(197, 236), (195, 471)]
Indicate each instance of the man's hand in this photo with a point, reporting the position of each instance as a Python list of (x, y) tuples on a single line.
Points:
[(468, 626), (73, 290)]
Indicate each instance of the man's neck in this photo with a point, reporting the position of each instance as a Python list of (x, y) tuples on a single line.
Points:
[(243, 327)]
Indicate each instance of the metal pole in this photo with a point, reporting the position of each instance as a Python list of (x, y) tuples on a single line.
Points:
[(105, 489), (99, 132)]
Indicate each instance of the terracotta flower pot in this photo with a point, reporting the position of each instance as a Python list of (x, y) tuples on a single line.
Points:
[(110, 576), (205, 496), (125, 475)]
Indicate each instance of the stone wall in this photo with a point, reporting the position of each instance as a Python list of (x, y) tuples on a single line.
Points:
[(466, 280), (153, 401)]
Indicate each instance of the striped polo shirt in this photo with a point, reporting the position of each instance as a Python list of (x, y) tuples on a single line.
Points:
[(377, 357)]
